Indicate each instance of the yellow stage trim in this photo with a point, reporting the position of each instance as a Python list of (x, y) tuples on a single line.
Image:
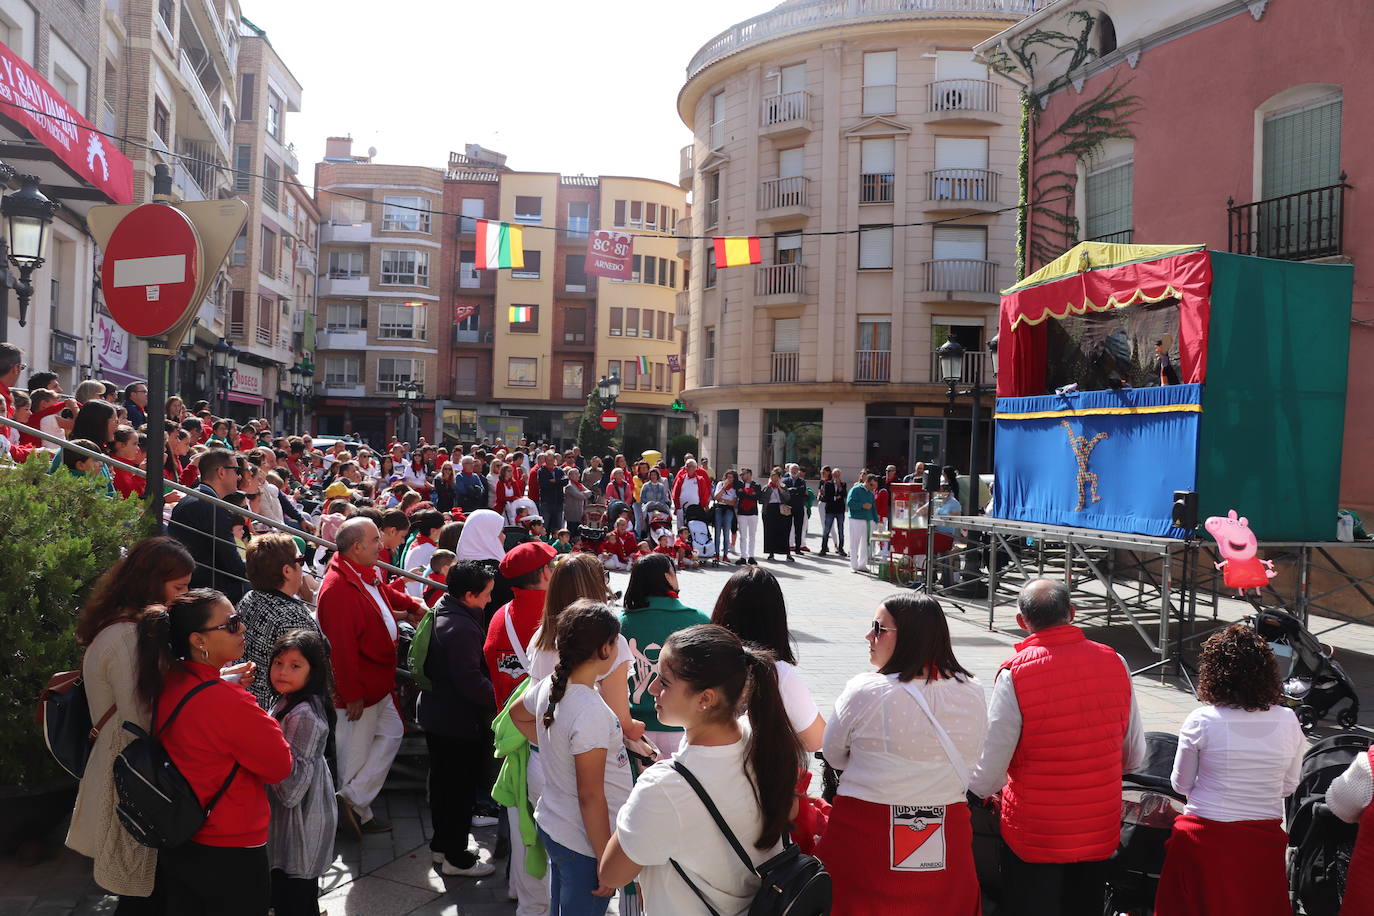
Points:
[(1100, 255), (1114, 302), (1100, 411)]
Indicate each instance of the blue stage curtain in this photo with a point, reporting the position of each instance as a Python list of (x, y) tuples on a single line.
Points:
[(1147, 449)]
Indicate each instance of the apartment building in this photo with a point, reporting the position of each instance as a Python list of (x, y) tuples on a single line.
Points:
[(272, 265), (381, 295), (876, 159), (529, 345)]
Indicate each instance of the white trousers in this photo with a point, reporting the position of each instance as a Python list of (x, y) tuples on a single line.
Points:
[(531, 893), (748, 534), (858, 543), (366, 748)]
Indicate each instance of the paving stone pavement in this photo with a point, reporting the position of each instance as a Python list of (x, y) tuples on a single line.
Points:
[(829, 609)]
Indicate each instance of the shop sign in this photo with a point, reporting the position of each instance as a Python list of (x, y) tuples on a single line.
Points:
[(113, 343), (247, 380), (63, 350)]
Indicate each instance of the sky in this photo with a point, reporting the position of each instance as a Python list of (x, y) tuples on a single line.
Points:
[(573, 87)]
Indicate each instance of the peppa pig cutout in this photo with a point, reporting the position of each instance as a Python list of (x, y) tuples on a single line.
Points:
[(1241, 568)]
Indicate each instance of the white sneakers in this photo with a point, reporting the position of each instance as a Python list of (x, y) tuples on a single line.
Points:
[(478, 868)]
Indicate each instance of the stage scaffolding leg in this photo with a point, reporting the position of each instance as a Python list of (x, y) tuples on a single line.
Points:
[(993, 541), (1166, 589), (1304, 562)]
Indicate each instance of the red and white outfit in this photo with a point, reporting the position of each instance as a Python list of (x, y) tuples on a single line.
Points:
[(1349, 798), (1227, 851), (620, 545), (899, 837)]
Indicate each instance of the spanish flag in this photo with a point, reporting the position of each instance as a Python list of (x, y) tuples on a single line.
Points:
[(737, 252), (499, 245)]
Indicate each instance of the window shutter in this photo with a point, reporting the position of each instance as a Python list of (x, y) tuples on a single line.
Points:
[(1302, 149), (787, 335), (961, 153), (790, 162), (875, 248), (880, 68), (960, 243), (792, 78), (958, 65), (878, 157), (1108, 198)]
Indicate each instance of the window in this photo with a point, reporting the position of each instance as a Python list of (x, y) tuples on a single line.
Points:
[(271, 182), (237, 314), (247, 96), (162, 122), (636, 267), (268, 261), (650, 274), (111, 74), (531, 269), (710, 348), (636, 214), (344, 316), (954, 243), (1302, 148), (617, 323), (405, 268), (717, 129), (961, 169), (402, 322), (468, 277), (239, 256), (787, 248), (579, 219), (875, 333), (531, 323), (709, 280), (265, 313), (346, 211), (469, 327), (243, 165), (405, 214), (345, 265), (274, 106), (392, 372), (647, 328), (712, 198), (663, 325), (618, 220), (1107, 193), (787, 335), (875, 248), (632, 322), (474, 208), (529, 210), (873, 362), (573, 376), (522, 372), (19, 30), (650, 216), (658, 376), (672, 274), (67, 71), (613, 368), (877, 169), (342, 371), (575, 273), (629, 377), (575, 325), (465, 375), (960, 261), (880, 82)]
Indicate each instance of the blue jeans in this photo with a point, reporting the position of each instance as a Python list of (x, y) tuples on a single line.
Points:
[(725, 518), (838, 522), (572, 878)]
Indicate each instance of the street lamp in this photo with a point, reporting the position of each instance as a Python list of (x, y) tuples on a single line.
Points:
[(408, 391), (950, 356), (224, 360), (28, 223)]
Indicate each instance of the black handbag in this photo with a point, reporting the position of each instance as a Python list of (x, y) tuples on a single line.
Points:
[(64, 714), (794, 884)]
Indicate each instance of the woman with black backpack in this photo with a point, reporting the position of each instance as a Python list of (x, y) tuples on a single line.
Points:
[(223, 743), (664, 833)]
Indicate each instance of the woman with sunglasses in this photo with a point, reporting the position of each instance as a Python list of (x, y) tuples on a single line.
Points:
[(221, 739), (906, 737), (276, 572)]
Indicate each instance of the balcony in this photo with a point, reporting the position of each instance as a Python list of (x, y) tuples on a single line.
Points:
[(873, 366), (964, 101), (345, 233), (471, 336), (683, 231), (1123, 237), (341, 339), (708, 372), (685, 170), (682, 317), (786, 115), (305, 260), (338, 285), (476, 281), (783, 200), (207, 110), (877, 187), (969, 375), (780, 284), (1294, 227), (961, 190), (344, 391), (784, 367), (813, 15), (289, 160), (967, 279)]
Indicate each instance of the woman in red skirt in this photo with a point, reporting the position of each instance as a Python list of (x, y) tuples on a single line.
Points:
[(906, 737), (1238, 758)]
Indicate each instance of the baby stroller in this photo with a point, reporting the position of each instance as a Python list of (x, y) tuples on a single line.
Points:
[(695, 518), (1321, 842), (1313, 681), (658, 520), (1149, 805), (592, 530)]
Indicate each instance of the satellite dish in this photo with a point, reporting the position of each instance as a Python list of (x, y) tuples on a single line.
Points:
[(372, 152)]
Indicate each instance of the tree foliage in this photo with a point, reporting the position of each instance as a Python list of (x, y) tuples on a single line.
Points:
[(591, 437)]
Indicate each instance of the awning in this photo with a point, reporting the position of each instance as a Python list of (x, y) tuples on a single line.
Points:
[(120, 377), (239, 397)]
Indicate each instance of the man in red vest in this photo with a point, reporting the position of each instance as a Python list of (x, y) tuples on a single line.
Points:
[(1063, 727)]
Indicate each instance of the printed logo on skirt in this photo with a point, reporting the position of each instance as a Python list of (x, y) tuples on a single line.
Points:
[(917, 838)]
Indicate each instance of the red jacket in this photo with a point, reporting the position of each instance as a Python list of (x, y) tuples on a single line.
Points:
[(622, 544), (394, 588), (362, 650), (502, 663), (703, 487), (625, 492), (507, 491), (1062, 802), (36, 421), (532, 484), (128, 483), (1359, 879), (222, 725)]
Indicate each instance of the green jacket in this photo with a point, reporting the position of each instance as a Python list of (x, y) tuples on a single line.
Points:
[(646, 629), (512, 784)]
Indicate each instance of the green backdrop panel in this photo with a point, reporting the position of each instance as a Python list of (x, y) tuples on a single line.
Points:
[(1274, 403)]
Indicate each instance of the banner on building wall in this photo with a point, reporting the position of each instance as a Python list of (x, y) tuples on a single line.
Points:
[(463, 312), (674, 363), (113, 343), (609, 254)]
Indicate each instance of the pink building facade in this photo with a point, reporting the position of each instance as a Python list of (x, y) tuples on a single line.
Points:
[(1242, 125)]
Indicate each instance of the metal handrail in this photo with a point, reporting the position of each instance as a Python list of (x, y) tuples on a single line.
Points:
[(1298, 226)]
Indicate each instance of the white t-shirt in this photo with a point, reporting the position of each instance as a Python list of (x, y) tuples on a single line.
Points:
[(664, 819), (887, 747), (690, 494), (384, 609), (582, 722), (542, 663), (1237, 765), (419, 555), (796, 699)]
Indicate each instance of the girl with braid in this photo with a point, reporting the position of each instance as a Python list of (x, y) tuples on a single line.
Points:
[(582, 753)]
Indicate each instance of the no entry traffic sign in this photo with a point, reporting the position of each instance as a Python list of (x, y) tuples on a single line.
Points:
[(609, 419), (152, 264)]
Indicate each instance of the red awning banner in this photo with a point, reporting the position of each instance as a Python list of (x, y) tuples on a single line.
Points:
[(1021, 341), (31, 101)]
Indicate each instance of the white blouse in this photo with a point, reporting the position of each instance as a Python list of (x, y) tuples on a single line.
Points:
[(1237, 764), (887, 747)]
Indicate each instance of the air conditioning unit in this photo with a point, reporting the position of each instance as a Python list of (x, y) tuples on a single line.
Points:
[(488, 337)]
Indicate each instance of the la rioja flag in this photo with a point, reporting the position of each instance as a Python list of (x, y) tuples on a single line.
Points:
[(499, 245)]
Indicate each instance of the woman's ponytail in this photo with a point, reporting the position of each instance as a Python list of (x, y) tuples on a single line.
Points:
[(774, 752), (154, 652)]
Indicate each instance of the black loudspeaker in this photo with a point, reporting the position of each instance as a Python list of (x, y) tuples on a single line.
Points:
[(1185, 509), (932, 481)]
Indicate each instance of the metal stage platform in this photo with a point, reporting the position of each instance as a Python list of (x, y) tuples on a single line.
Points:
[(1167, 589)]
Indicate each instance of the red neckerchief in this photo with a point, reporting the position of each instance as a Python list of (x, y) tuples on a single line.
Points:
[(368, 575), (421, 539), (670, 593), (7, 398)]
